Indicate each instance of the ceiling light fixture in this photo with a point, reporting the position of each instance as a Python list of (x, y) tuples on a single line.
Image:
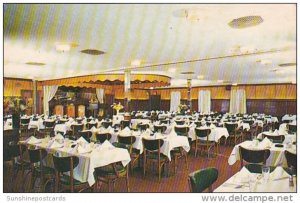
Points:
[(172, 70), (246, 21), (220, 81), (64, 46), (200, 77)]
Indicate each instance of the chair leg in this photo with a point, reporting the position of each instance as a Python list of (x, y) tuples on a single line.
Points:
[(159, 168), (127, 182), (175, 164), (196, 148), (186, 161), (144, 163)]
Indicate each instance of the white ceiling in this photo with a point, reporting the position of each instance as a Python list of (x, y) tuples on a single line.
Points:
[(154, 34)]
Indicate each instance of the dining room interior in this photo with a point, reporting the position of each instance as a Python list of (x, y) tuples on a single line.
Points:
[(150, 98)]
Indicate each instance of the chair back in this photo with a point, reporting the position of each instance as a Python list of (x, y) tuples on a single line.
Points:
[(128, 140), (231, 127), (200, 180), (152, 145), (106, 124), (25, 121), (77, 128), (90, 125), (182, 131), (49, 124), (202, 132), (36, 155), (179, 122), (61, 121), (291, 159), (164, 121), (253, 156), (275, 138), (291, 128), (86, 135), (161, 128), (142, 126), (65, 164), (101, 137), (197, 123), (250, 122), (125, 123)]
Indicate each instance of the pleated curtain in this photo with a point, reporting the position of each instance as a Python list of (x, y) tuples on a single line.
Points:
[(175, 101), (204, 101), (237, 101), (49, 92), (100, 95)]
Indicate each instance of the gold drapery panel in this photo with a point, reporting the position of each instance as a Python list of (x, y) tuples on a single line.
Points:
[(86, 81), (13, 87)]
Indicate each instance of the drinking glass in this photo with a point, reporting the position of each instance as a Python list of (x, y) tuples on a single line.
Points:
[(266, 173), (252, 182)]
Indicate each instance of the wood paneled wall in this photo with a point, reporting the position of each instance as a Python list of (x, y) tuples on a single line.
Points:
[(13, 87)]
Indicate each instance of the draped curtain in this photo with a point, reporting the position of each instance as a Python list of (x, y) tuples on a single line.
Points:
[(49, 92), (238, 101), (175, 101), (204, 102), (100, 95)]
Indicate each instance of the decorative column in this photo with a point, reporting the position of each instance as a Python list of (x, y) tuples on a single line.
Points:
[(127, 98), (189, 88), (34, 97)]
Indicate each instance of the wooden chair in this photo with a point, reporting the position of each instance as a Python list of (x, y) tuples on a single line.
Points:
[(291, 128), (86, 135), (233, 131), (152, 154), (62, 165), (90, 125), (201, 180), (254, 158), (24, 123), (106, 124), (49, 127), (76, 129), (160, 128), (38, 170), (275, 138), (179, 122), (202, 140), (134, 153), (101, 137), (124, 124), (142, 126), (291, 159)]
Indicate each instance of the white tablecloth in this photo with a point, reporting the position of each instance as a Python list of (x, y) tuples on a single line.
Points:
[(36, 124), (288, 117), (134, 122), (240, 183), (273, 160), (215, 135)]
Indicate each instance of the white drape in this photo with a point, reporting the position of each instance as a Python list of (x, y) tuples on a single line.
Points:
[(204, 102), (49, 92), (100, 95), (238, 101), (175, 101)]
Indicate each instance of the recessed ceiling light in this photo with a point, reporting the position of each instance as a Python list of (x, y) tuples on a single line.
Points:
[(65, 46), (287, 64), (234, 84), (200, 77), (136, 62), (172, 70), (187, 72), (35, 63), (92, 51), (246, 21), (264, 61), (220, 81)]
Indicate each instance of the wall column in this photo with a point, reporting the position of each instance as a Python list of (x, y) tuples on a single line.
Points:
[(189, 89), (34, 106), (127, 96)]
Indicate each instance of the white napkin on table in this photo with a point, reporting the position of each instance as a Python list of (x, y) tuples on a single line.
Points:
[(73, 150), (172, 133), (81, 140), (243, 175), (91, 117), (33, 140), (82, 150), (56, 145), (93, 129), (106, 145), (276, 132), (212, 126), (278, 173), (265, 143), (125, 132), (59, 136)]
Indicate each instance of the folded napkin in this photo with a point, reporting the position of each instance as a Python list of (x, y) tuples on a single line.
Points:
[(125, 132), (106, 145), (265, 143), (33, 140), (276, 132), (243, 175), (158, 136), (56, 145), (59, 136), (91, 117), (92, 122), (212, 126), (134, 133), (83, 149), (193, 125), (93, 129), (81, 140), (278, 173)]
